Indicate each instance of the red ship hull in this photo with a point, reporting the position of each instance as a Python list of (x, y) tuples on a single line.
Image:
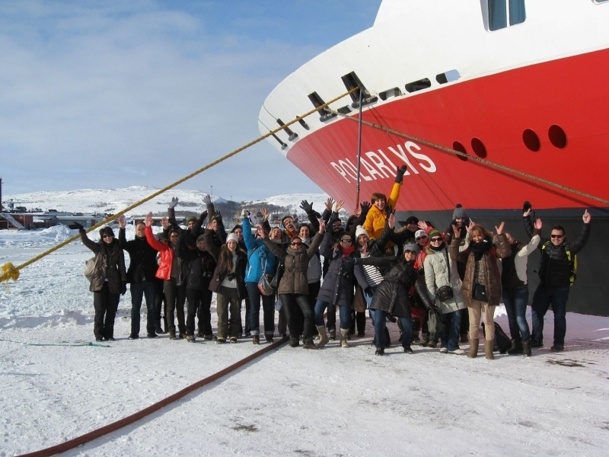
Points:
[(501, 118)]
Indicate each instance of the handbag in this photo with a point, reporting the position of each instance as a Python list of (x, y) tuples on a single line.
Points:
[(278, 275), (264, 285), (444, 293), (89, 268), (480, 293)]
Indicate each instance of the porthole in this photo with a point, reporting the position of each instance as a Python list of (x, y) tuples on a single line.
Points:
[(557, 136), (479, 148), (459, 147), (531, 140)]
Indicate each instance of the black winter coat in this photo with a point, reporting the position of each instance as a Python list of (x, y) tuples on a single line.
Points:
[(142, 264), (199, 267), (392, 295)]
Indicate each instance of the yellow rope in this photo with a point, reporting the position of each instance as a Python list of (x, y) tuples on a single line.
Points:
[(9, 271), (475, 158)]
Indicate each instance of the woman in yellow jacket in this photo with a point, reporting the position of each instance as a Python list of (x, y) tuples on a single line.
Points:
[(377, 215)]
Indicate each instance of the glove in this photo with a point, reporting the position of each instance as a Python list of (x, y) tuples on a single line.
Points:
[(399, 174), (174, 202), (231, 276), (365, 207), (388, 210), (306, 206), (526, 206), (123, 287), (80, 228), (207, 199), (368, 292)]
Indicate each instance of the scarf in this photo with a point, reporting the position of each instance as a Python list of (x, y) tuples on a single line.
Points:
[(346, 252), (479, 249)]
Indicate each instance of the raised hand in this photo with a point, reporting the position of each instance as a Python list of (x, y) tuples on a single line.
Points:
[(329, 204), (207, 199), (122, 222), (306, 206), (339, 205), (148, 221), (538, 224), (586, 217), (174, 202), (499, 229)]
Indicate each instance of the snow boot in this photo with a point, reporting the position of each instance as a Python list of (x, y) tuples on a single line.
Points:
[(516, 347), (323, 336), (344, 335), (526, 348), (473, 348), (488, 349)]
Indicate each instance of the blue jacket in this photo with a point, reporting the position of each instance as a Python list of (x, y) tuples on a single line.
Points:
[(258, 254)]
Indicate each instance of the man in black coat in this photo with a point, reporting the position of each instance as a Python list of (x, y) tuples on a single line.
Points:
[(141, 276)]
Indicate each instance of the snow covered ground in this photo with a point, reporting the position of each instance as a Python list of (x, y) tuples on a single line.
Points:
[(331, 402)]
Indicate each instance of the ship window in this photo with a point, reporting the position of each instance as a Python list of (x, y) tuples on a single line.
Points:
[(503, 13), (479, 148), (317, 102), (418, 85), (448, 76), (460, 148), (531, 140), (394, 92), (557, 136)]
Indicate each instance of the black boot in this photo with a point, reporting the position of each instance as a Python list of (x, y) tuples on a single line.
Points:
[(526, 348), (516, 347)]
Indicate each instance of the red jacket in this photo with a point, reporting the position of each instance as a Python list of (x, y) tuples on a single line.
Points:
[(164, 270)]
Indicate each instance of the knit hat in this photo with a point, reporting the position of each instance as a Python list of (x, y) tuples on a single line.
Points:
[(435, 233), (412, 220), (200, 238), (459, 212), (412, 247), (420, 233), (233, 237), (191, 219), (360, 231)]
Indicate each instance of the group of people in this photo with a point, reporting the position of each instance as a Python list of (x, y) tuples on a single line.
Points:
[(439, 283)]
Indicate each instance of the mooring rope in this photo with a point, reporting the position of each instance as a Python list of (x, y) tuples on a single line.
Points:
[(9, 271), (114, 426), (480, 160)]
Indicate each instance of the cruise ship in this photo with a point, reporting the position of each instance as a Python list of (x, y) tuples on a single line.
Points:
[(487, 102)]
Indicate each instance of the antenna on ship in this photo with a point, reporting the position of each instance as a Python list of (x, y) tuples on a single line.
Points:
[(359, 147)]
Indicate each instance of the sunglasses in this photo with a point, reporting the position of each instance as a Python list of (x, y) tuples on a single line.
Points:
[(108, 236), (347, 240), (435, 240), (557, 236), (296, 243), (421, 238)]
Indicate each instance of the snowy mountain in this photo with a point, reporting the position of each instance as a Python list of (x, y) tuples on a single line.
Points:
[(102, 201)]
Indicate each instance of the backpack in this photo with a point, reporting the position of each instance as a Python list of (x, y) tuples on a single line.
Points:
[(572, 258), (89, 268)]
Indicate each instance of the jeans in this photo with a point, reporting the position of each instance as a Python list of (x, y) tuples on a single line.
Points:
[(451, 325), (139, 290), (515, 300), (344, 314), (542, 299), (292, 303), (227, 300), (199, 304), (380, 324), (268, 308), (176, 297)]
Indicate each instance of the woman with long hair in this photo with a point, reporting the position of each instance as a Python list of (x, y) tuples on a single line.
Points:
[(481, 282)]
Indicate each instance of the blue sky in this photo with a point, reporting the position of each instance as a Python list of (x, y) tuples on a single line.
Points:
[(108, 94)]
